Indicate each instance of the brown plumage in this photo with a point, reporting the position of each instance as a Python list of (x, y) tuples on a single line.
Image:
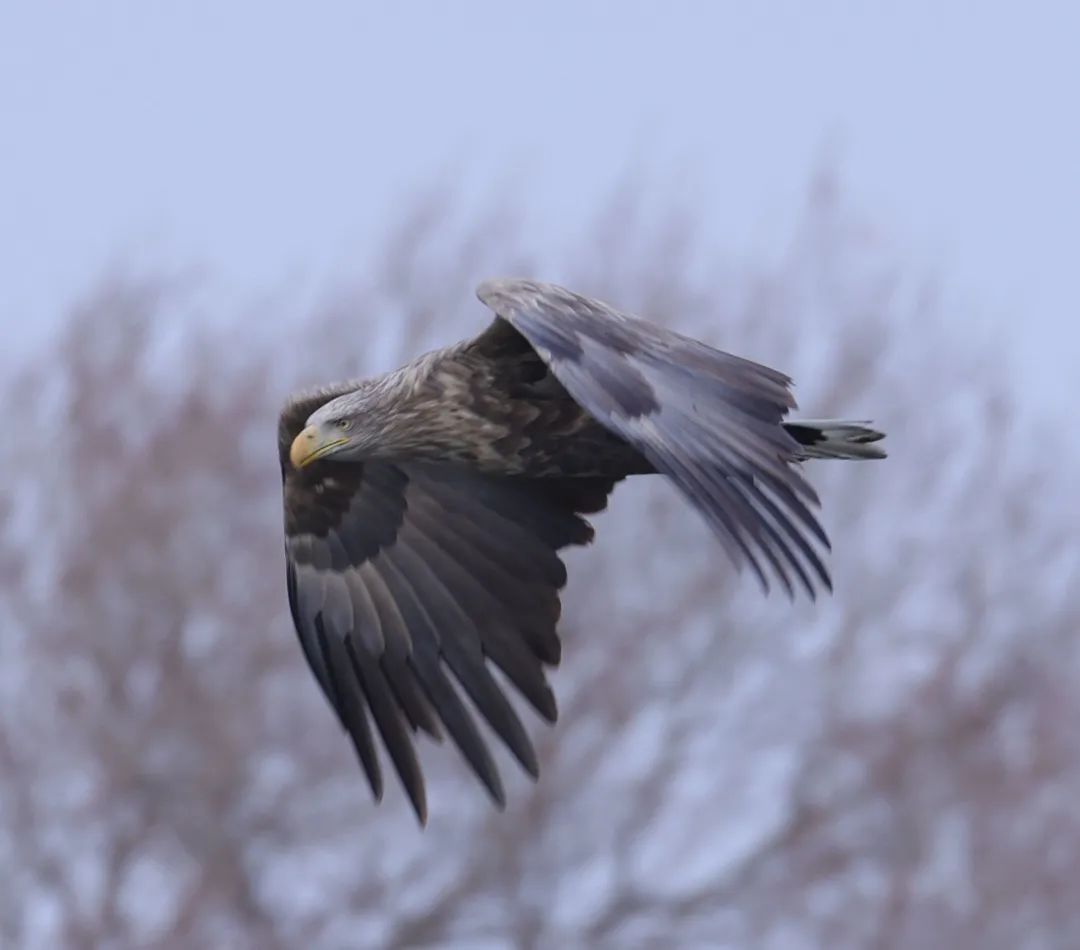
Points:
[(425, 509)]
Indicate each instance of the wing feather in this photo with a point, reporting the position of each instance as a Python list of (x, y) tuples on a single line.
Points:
[(390, 720), (406, 581), (426, 661), (464, 652), (394, 662), (473, 578), (349, 702), (710, 421)]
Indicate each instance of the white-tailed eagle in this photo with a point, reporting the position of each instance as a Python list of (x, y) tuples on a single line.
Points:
[(425, 509)]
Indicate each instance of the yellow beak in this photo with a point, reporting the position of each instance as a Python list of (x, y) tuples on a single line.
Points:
[(309, 446)]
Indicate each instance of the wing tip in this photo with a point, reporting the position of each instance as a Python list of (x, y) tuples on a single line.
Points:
[(528, 759), (419, 805), (373, 774), (548, 708)]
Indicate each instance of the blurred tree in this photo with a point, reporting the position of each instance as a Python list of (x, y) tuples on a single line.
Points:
[(895, 767)]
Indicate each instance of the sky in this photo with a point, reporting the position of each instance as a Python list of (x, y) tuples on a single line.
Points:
[(271, 142)]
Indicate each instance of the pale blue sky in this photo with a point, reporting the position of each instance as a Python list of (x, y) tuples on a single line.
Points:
[(269, 141)]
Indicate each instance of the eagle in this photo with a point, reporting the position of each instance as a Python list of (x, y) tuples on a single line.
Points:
[(425, 509)]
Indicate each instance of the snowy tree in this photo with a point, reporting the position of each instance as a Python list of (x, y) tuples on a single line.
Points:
[(894, 766)]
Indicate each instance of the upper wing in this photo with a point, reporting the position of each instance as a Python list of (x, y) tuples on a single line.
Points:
[(708, 420), (401, 575)]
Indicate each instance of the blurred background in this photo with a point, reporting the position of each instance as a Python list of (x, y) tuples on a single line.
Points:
[(205, 206)]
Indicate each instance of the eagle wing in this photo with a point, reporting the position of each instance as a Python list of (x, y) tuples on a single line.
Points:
[(708, 420), (404, 580)]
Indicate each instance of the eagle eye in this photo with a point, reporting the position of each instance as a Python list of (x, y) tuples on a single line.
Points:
[(343, 424)]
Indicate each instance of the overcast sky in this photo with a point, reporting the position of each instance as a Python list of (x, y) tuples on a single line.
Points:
[(269, 141)]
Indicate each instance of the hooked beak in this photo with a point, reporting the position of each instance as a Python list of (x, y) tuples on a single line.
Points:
[(312, 444)]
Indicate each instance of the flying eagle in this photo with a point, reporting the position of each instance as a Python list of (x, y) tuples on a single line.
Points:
[(425, 509)]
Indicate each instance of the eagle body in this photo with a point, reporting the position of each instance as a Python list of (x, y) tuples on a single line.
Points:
[(490, 404), (425, 509)]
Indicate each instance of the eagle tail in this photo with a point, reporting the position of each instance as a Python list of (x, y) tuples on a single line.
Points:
[(836, 439)]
